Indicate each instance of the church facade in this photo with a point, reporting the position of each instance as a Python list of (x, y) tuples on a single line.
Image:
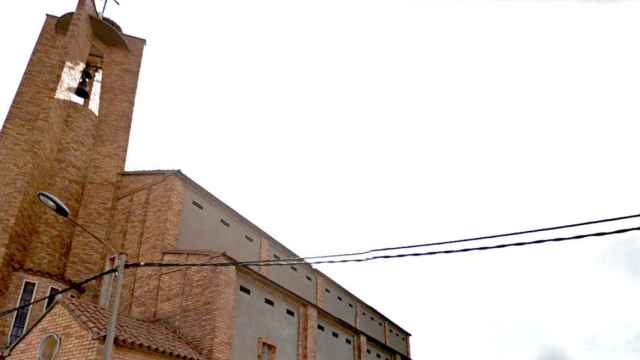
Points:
[(67, 133)]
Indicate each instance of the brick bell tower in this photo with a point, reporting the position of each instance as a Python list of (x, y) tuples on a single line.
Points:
[(69, 142)]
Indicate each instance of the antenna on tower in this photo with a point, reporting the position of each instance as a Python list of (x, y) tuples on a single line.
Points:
[(104, 7)]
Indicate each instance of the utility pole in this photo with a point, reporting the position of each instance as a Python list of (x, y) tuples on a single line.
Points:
[(121, 260)]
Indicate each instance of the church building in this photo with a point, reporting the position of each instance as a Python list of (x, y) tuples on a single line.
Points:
[(67, 134)]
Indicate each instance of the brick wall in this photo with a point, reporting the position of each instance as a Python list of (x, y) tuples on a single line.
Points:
[(76, 343), (48, 144), (147, 212)]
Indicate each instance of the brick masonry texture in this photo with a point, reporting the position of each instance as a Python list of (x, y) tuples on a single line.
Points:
[(76, 342), (63, 148)]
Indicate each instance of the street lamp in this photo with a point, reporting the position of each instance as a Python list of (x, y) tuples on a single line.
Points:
[(61, 209)]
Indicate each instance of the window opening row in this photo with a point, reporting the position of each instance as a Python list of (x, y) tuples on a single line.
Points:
[(267, 300), (377, 355), (294, 268), (373, 319), (397, 334), (328, 291), (347, 339), (224, 222)]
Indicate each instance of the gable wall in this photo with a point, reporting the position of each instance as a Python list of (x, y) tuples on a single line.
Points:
[(76, 343)]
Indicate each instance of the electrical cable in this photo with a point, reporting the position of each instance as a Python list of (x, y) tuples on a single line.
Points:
[(74, 286), (378, 257), (478, 238), (300, 261)]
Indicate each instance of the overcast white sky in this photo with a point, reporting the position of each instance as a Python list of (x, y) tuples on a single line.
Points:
[(347, 125)]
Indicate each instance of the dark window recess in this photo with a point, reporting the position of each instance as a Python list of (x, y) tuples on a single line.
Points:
[(276, 257), (350, 305), (397, 334), (339, 298), (320, 327), (309, 278), (379, 324), (294, 268), (268, 301), (403, 338), (334, 334), (225, 222), (291, 313), (327, 291), (20, 319), (364, 314), (197, 204), (267, 352), (248, 238), (348, 341), (368, 351), (391, 331), (245, 290), (378, 356), (51, 298), (372, 319)]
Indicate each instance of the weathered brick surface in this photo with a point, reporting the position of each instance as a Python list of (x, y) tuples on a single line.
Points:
[(146, 225), (15, 285), (76, 341), (361, 353), (62, 147), (307, 339), (200, 306)]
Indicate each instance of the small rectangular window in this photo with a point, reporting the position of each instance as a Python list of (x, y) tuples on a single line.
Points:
[(308, 278), (268, 301), (364, 314), (197, 204), (379, 324), (334, 334), (276, 257), (368, 351), (267, 351), (22, 316), (350, 305), (320, 327), (378, 356), (225, 222), (51, 297), (348, 341), (245, 290), (327, 291), (372, 319), (248, 238), (294, 268), (291, 313), (339, 298)]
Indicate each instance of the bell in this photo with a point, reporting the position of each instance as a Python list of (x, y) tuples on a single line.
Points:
[(83, 89), (86, 74)]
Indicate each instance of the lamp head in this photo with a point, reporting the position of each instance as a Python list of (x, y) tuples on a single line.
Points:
[(53, 203)]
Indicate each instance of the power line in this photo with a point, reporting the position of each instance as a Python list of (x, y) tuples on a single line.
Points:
[(288, 263), (484, 237), (74, 286), (394, 256)]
